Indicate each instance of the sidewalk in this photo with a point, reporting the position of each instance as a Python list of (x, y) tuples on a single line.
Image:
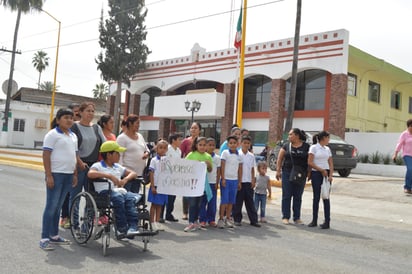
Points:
[(31, 159)]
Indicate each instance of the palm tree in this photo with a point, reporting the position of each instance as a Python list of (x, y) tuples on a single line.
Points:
[(21, 6), (40, 61), (100, 91), (47, 86)]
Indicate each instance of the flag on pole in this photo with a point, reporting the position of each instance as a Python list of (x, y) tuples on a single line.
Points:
[(238, 37)]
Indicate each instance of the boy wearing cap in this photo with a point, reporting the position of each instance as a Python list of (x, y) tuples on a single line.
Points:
[(124, 203)]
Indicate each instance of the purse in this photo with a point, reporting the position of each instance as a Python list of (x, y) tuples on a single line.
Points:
[(325, 189), (298, 173)]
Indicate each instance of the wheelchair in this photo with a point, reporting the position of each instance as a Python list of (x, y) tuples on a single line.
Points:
[(88, 206)]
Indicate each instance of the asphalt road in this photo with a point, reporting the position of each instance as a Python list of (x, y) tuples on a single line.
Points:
[(370, 233)]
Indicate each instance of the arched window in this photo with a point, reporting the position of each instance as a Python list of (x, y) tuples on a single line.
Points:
[(256, 94), (310, 90), (147, 101)]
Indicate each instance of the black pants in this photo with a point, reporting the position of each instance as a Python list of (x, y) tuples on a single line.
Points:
[(317, 180), (245, 194)]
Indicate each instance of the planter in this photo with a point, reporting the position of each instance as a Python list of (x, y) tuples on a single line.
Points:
[(380, 170)]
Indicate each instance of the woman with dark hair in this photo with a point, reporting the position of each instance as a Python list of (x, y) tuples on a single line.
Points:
[(405, 145), (136, 154), (320, 160), (106, 122), (186, 148), (293, 153)]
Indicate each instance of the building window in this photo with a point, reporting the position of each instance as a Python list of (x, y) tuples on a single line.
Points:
[(352, 81), (147, 101), (410, 105), (259, 138), (256, 96), (18, 125), (395, 99), (310, 90), (374, 92)]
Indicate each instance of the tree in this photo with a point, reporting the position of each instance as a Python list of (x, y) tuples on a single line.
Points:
[(100, 91), (47, 86), (294, 78), (21, 6), (121, 38), (40, 61)]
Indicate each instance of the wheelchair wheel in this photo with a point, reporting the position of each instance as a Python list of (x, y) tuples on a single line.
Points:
[(83, 217), (105, 242)]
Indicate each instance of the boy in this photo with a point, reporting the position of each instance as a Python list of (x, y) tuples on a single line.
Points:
[(231, 173), (124, 203), (173, 151), (208, 209), (245, 193)]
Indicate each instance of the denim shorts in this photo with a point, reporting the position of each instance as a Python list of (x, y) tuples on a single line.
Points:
[(228, 193)]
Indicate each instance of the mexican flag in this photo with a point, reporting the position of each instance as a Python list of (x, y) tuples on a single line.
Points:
[(238, 37)]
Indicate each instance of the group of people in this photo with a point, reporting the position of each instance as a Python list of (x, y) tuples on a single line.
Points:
[(76, 149)]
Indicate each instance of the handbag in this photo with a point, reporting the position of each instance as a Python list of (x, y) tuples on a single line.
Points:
[(298, 173), (325, 189)]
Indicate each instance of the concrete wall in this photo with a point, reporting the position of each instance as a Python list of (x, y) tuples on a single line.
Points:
[(368, 143)]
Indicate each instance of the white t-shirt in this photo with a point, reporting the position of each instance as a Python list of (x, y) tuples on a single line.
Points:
[(321, 155), (232, 161), (117, 170), (132, 157), (63, 149), (211, 176), (248, 160), (173, 153)]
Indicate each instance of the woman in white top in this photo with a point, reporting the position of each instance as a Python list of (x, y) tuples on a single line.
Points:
[(136, 154), (320, 160)]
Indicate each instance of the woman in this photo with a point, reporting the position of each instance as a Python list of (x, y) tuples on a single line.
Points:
[(106, 122), (90, 137), (186, 148), (136, 154), (405, 144), (293, 153), (320, 160), (234, 131)]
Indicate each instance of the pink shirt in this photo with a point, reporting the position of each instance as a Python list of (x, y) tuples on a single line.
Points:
[(405, 144)]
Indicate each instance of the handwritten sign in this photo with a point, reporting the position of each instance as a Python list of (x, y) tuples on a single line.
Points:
[(180, 177)]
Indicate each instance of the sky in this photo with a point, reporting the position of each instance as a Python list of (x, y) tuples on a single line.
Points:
[(380, 28)]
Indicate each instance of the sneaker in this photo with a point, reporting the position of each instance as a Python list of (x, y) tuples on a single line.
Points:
[(285, 221), (228, 223), (45, 245), (190, 227), (67, 224), (154, 226), (255, 224), (203, 224), (221, 223), (161, 220), (132, 232), (237, 223), (263, 220), (63, 222), (160, 227), (298, 222), (213, 224), (59, 241)]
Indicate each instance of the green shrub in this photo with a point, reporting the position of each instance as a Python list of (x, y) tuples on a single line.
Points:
[(364, 158), (376, 158), (386, 159), (399, 161)]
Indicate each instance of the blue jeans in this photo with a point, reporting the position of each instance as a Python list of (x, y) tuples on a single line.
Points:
[(81, 182), (194, 208), (408, 176), (317, 180), (54, 201), (208, 209), (125, 211), (291, 191), (260, 199)]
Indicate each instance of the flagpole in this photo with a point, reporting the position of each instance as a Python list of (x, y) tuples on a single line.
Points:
[(242, 67), (236, 88)]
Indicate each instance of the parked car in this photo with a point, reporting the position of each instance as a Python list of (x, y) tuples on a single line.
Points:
[(344, 155)]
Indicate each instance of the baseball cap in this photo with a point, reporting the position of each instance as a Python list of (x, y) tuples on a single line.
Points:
[(109, 146)]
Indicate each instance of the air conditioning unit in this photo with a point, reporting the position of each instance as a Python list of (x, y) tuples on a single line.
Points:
[(40, 123)]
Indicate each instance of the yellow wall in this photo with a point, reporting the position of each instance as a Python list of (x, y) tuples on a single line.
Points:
[(364, 115)]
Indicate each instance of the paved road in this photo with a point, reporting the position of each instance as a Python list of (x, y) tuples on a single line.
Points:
[(371, 233)]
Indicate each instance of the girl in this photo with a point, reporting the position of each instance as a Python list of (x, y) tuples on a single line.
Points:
[(59, 161), (157, 200), (262, 188), (106, 122), (198, 154), (320, 160)]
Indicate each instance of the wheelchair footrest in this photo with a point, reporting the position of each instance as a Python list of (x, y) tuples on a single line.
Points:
[(145, 215)]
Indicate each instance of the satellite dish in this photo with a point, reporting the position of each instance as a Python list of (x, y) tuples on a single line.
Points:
[(14, 87)]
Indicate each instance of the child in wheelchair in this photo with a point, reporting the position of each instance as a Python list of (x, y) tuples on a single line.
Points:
[(124, 203)]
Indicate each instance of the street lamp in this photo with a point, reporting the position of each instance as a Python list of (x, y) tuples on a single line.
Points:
[(55, 66), (193, 108)]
